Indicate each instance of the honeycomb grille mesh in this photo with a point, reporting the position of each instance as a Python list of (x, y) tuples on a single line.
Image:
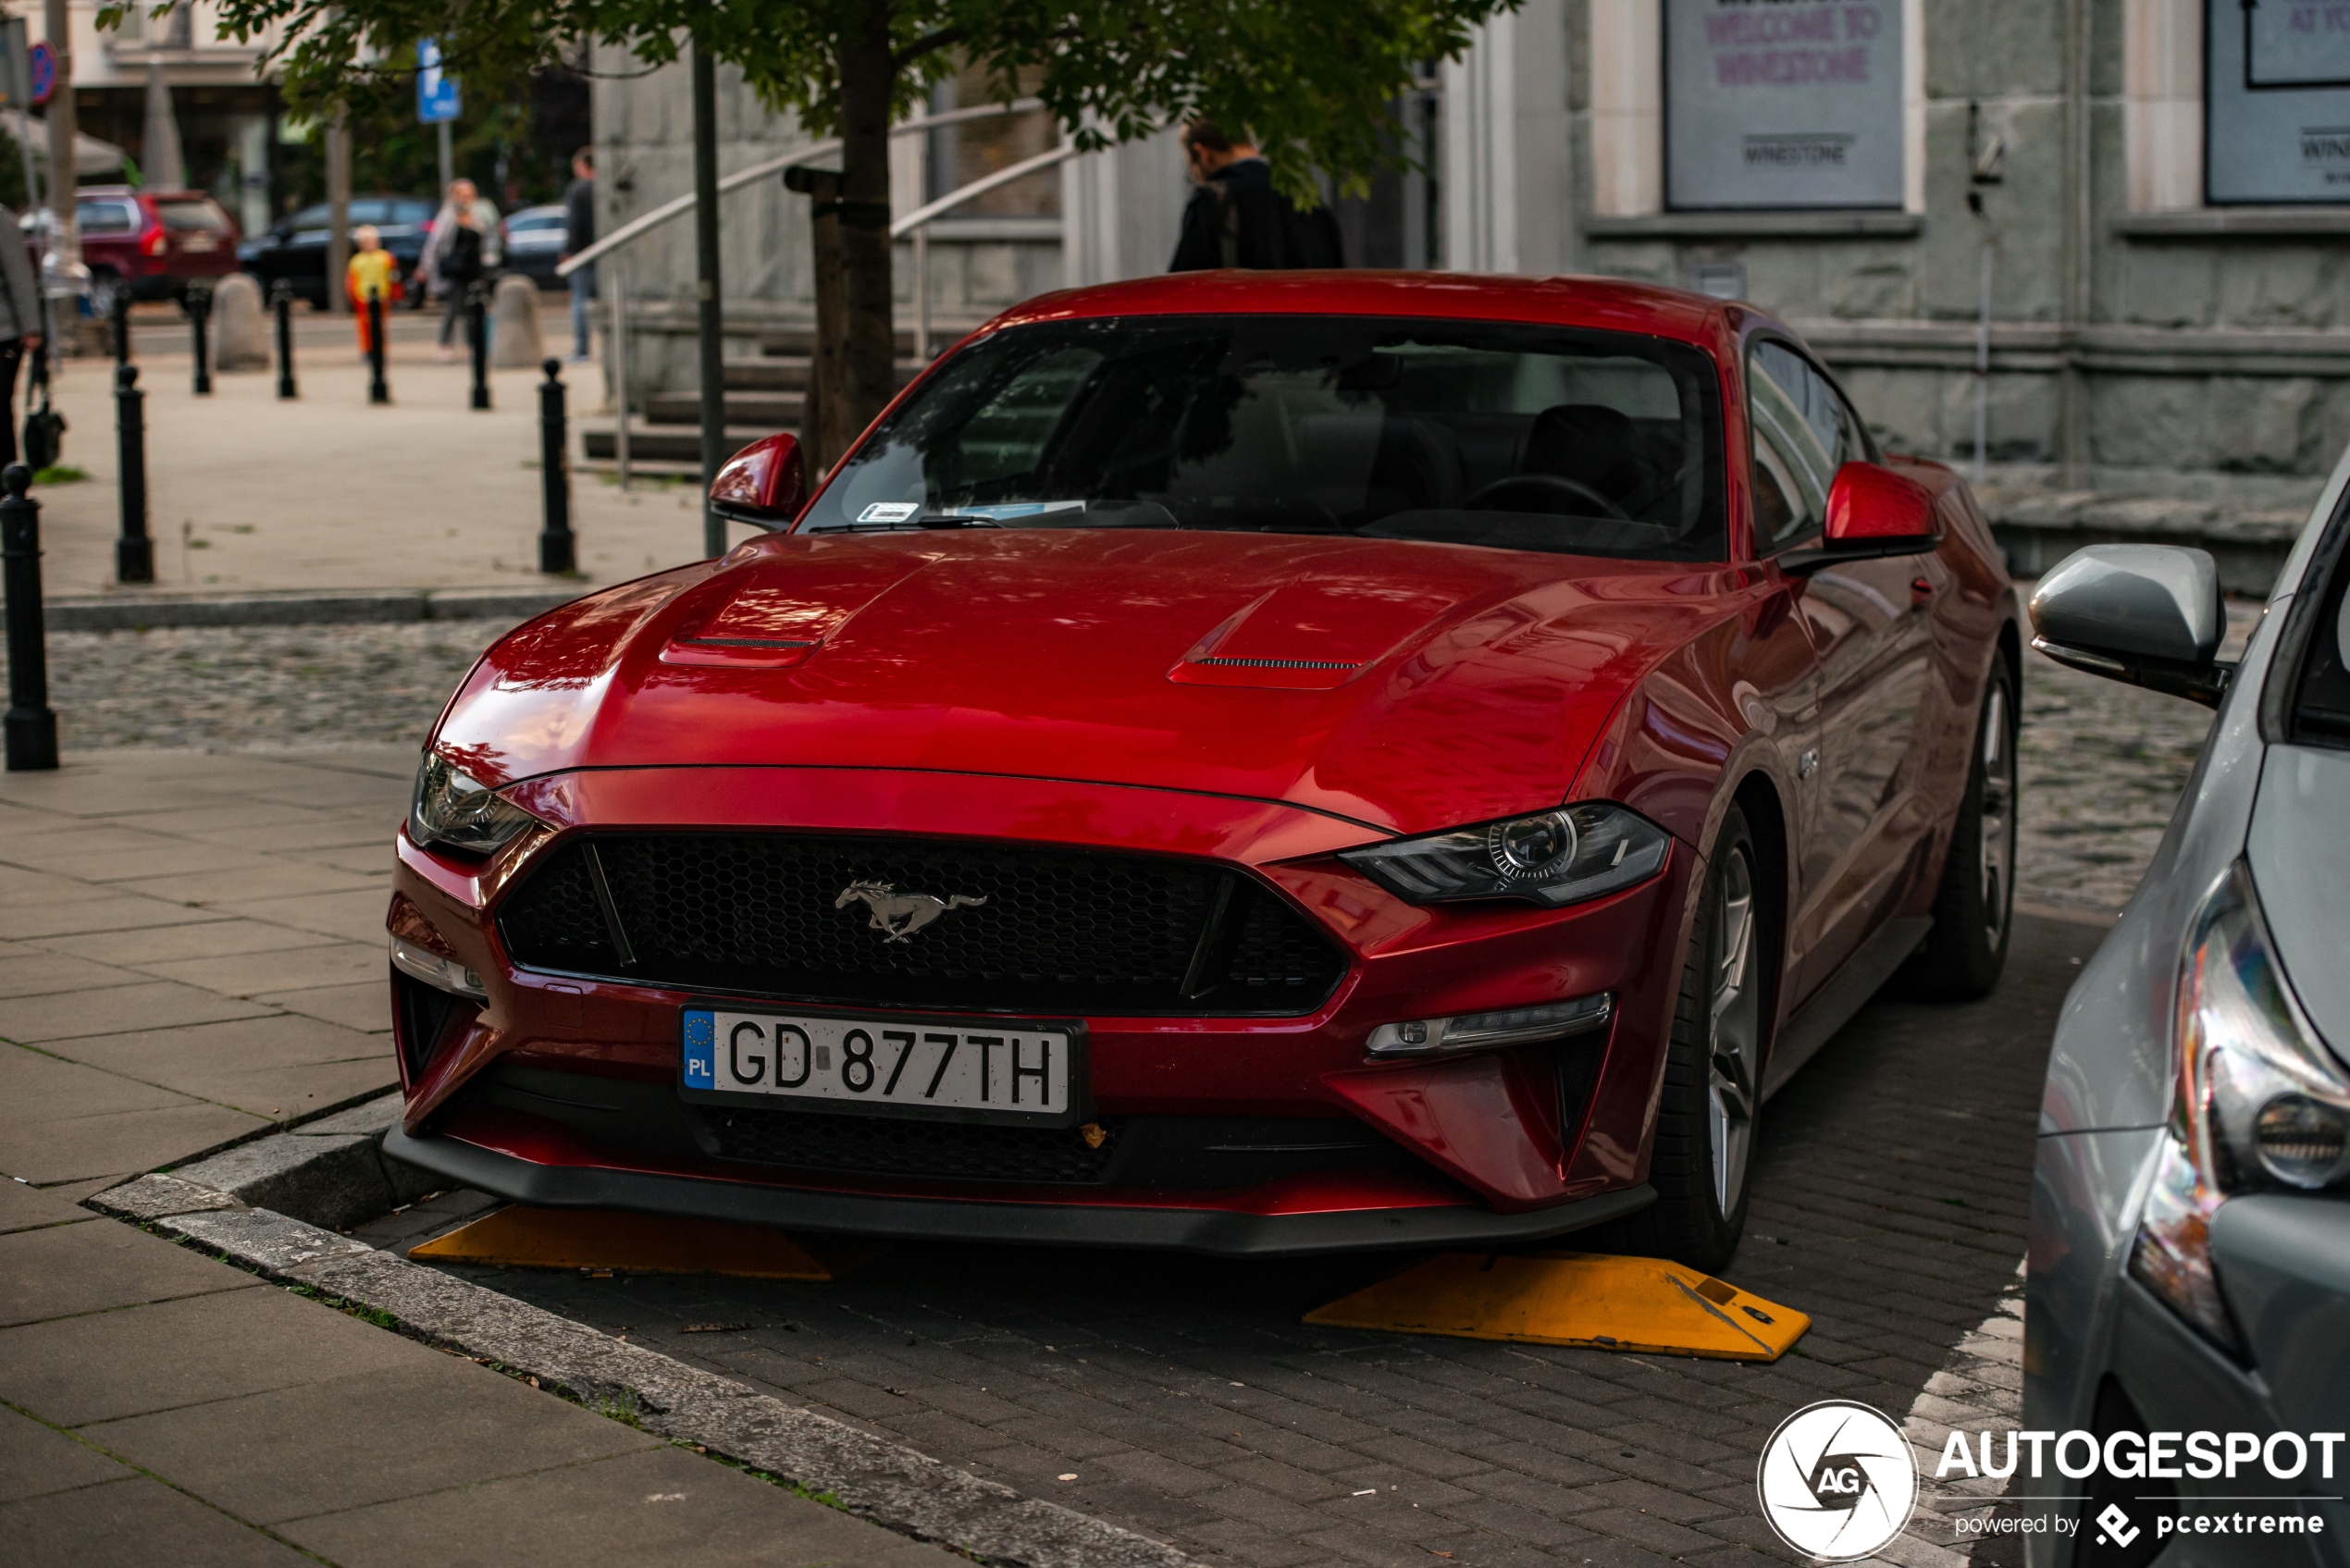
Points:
[(1021, 928), (872, 1145)]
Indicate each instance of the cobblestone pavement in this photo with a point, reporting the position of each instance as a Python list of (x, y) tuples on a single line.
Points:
[(1183, 1396)]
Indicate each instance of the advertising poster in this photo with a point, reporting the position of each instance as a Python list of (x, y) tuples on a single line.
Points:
[(1775, 104), (2280, 102)]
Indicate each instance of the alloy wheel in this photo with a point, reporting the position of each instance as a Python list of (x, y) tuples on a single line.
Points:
[(1734, 1030), (1997, 838)]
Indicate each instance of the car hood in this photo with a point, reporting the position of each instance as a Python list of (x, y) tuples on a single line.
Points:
[(1406, 686)]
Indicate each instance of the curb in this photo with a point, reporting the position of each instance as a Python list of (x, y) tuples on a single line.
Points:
[(339, 607), (869, 1476)]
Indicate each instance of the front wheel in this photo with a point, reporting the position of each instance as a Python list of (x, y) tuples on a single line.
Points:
[(1713, 1099), (1976, 907)]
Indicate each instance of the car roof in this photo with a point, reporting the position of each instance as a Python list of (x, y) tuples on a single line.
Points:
[(545, 209), (1603, 302)]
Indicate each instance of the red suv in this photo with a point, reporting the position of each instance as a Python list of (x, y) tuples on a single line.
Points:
[(152, 242)]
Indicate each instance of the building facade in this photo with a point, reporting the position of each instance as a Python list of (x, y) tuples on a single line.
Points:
[(2110, 233)]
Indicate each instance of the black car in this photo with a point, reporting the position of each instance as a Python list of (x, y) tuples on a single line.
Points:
[(296, 249)]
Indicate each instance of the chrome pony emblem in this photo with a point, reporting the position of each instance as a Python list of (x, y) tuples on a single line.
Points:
[(901, 915)]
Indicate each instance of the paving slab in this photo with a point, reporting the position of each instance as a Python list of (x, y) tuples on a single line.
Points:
[(69, 1269), (26, 1208), (366, 1005), (134, 1524), (242, 1339), (669, 1506), (115, 912), (44, 974), (283, 878), (294, 1452), (215, 938), (64, 1122), (36, 1460), (279, 967), (116, 1009), (356, 916)]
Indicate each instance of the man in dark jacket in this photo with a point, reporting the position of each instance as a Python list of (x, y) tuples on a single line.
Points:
[(1236, 218), (579, 233)]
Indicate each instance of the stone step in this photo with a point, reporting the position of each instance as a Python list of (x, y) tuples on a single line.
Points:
[(662, 443), (772, 411), (788, 373)]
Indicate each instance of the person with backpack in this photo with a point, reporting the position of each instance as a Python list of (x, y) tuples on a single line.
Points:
[(19, 324), (1237, 219), (462, 252)]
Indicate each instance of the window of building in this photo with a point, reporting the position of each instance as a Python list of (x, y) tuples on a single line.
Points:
[(2276, 98), (958, 155), (1791, 105)]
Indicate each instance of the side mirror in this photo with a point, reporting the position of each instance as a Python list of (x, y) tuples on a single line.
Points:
[(2148, 614), (1873, 512), (763, 483)]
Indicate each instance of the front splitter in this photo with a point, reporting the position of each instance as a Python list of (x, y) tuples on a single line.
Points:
[(1219, 1232)]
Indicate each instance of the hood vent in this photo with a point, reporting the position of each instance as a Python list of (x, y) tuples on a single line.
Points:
[(1276, 664)]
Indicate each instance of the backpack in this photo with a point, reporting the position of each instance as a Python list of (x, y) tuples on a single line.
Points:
[(44, 427), (463, 262)]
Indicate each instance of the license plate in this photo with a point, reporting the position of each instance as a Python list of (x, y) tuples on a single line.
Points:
[(990, 1069), (195, 244)]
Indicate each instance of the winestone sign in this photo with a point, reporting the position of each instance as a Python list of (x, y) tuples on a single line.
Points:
[(1783, 103)]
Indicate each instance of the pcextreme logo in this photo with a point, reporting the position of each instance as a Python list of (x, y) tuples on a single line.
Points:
[(1837, 1480)]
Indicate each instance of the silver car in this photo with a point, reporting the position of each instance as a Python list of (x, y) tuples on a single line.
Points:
[(2189, 1264)]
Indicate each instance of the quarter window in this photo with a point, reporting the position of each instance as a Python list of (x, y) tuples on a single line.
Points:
[(1804, 433)]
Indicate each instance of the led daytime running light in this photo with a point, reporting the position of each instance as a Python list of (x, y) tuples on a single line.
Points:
[(1477, 1031)]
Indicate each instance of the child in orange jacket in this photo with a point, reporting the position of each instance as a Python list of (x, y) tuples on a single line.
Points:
[(373, 271)]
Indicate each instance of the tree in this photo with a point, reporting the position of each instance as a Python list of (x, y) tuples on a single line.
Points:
[(1311, 79)]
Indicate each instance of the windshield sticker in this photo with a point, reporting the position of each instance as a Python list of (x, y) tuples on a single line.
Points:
[(890, 512)]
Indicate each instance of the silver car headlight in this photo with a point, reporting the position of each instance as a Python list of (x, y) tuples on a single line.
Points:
[(1553, 858), (452, 809), (2260, 1102)]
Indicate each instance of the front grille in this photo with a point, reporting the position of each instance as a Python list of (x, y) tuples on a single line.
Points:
[(872, 1145), (1026, 929)]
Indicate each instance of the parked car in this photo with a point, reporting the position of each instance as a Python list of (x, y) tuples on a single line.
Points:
[(535, 239), (152, 244), (295, 248), (2190, 1241), (1247, 763)]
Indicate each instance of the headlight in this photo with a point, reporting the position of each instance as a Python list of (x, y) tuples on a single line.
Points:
[(1553, 858), (2260, 1102), (457, 811)]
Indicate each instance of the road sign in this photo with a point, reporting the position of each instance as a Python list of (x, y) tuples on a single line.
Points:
[(436, 89), (43, 62)]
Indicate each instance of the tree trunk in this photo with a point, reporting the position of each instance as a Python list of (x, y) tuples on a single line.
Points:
[(857, 382)]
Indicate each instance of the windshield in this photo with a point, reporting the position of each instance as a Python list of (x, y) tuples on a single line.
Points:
[(1505, 436), (197, 214)]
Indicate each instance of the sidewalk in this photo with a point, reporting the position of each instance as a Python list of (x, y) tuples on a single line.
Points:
[(190, 950), (247, 492)]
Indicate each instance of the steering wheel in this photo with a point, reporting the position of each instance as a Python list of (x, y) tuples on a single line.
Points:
[(1558, 486)]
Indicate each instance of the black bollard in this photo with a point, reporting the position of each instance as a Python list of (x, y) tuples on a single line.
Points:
[(379, 390), (478, 328), (121, 324), (198, 305), (31, 728), (134, 553), (556, 551), (281, 296)]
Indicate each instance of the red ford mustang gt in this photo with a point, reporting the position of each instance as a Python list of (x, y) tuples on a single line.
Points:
[(1255, 764)]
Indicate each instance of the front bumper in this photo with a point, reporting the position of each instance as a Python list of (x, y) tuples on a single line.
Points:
[(1508, 1146)]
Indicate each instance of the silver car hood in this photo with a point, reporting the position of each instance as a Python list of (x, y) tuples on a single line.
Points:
[(2299, 852)]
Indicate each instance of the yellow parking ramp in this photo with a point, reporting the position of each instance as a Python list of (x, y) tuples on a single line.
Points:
[(606, 1239), (1609, 1303)]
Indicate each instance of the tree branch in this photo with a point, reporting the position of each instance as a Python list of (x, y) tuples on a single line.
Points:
[(944, 37)]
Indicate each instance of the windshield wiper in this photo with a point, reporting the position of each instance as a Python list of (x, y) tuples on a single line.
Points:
[(909, 524)]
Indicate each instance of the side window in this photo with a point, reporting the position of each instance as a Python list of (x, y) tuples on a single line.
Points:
[(1803, 434), (106, 218)]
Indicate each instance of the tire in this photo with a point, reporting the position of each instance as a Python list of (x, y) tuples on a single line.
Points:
[(1975, 909), (1710, 1108)]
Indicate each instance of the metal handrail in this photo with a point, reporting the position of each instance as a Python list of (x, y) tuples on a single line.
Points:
[(757, 172), (980, 187)]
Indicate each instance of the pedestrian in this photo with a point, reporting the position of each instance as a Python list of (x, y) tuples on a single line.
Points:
[(19, 324), (374, 271), (462, 251), (579, 233), (1237, 219)]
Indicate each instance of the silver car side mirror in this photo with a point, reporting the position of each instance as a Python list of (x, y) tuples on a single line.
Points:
[(2148, 614)]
